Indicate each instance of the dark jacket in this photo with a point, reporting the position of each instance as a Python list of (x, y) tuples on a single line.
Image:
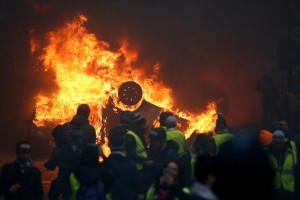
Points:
[(30, 181), (89, 176), (59, 157), (82, 123), (124, 183), (159, 158)]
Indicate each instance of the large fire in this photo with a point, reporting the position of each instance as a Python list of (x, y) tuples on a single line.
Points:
[(87, 71)]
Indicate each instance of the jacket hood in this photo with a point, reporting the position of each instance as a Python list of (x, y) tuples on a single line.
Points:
[(79, 120)]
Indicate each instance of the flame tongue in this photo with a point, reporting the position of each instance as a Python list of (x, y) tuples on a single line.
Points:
[(86, 71)]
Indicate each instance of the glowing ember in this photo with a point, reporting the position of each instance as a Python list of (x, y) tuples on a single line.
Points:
[(86, 71)]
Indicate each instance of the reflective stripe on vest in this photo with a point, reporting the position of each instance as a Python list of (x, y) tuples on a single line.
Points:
[(140, 150), (75, 185), (178, 137), (220, 138), (284, 177), (193, 163)]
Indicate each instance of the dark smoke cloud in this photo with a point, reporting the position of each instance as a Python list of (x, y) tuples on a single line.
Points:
[(208, 49)]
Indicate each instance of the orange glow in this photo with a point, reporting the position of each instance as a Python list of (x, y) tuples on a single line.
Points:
[(33, 42), (87, 71)]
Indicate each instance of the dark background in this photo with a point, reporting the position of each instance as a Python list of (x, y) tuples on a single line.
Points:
[(208, 49)]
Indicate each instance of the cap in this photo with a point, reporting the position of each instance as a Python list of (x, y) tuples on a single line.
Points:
[(278, 136), (158, 133), (138, 118)]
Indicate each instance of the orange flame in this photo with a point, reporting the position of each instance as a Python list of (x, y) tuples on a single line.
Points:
[(86, 71)]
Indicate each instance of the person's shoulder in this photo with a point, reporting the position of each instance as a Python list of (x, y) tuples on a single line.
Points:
[(35, 169), (9, 165)]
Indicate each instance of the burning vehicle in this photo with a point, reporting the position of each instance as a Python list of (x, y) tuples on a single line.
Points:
[(85, 70)]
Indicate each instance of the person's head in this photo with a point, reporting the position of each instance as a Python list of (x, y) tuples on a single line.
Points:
[(83, 110), (57, 134), (284, 126), (23, 150), (89, 155), (138, 124), (277, 125), (116, 138), (171, 122), (221, 124), (163, 116), (245, 167), (173, 168), (204, 145), (157, 138), (278, 140), (125, 118)]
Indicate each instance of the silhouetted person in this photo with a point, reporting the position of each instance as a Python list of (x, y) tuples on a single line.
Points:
[(160, 151), (162, 119), (222, 133), (81, 121), (20, 180), (135, 144), (269, 100), (86, 180), (204, 145), (245, 171), (170, 184), (206, 174), (283, 157), (76, 133), (125, 181)]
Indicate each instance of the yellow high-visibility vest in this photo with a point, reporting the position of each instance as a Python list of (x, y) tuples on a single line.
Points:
[(284, 176), (139, 148), (221, 138), (178, 137)]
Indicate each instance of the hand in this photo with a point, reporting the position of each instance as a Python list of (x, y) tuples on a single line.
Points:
[(15, 188)]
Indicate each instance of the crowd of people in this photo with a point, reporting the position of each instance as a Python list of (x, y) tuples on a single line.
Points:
[(160, 165)]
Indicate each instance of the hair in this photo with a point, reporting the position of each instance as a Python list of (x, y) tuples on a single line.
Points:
[(18, 144), (163, 116), (116, 136), (221, 123), (171, 122), (201, 144), (83, 110)]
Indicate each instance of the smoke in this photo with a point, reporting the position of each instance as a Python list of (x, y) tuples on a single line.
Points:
[(207, 49)]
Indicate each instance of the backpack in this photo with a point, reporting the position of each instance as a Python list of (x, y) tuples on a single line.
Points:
[(76, 141), (93, 192)]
